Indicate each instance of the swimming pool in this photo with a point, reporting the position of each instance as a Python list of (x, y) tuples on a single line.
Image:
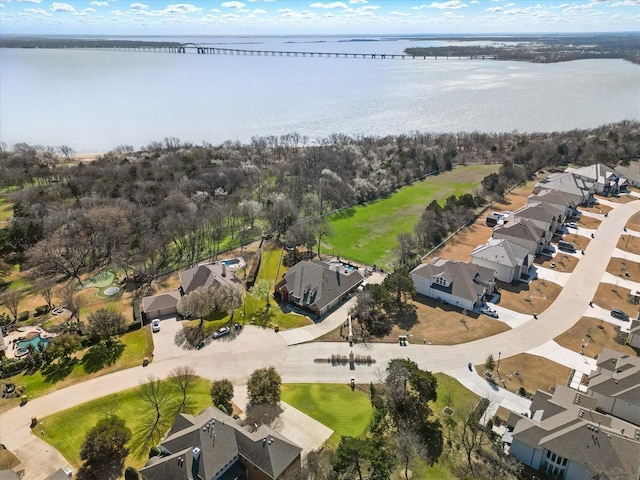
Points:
[(32, 339), (233, 261)]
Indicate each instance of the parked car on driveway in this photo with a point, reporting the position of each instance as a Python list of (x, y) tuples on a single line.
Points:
[(221, 332), (619, 314), (571, 225), (155, 325), (489, 312)]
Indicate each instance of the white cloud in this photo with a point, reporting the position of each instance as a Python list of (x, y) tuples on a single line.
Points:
[(99, 4), (29, 1), (138, 6), (329, 5), (264, 1), (85, 11), (258, 11), (450, 4), (356, 2), (180, 9), (400, 14), (494, 9), (234, 4), (34, 12), (473, 2), (626, 3), (62, 7)]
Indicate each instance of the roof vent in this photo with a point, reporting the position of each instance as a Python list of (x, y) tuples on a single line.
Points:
[(196, 453)]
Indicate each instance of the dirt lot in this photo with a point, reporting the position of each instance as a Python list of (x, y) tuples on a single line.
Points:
[(629, 243), (529, 371), (591, 335), (624, 269), (439, 325), (596, 209), (531, 298), (634, 222), (588, 222), (563, 262), (578, 241), (611, 296), (461, 246)]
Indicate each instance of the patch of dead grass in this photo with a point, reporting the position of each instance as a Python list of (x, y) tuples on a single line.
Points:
[(591, 335), (624, 198), (634, 222), (629, 243), (599, 208), (588, 222), (563, 262), (534, 297), (534, 373), (611, 296), (624, 269), (578, 241)]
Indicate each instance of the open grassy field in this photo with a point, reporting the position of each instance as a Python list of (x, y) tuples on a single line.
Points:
[(595, 335), (347, 413), (137, 345), (368, 233), (66, 430)]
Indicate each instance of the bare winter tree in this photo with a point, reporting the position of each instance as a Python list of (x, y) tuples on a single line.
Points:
[(11, 299), (183, 377)]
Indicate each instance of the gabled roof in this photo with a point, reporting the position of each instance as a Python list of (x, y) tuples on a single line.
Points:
[(538, 211), (501, 251), (466, 280), (556, 197), (599, 173), (160, 301), (566, 182), (319, 283), (598, 442), (521, 228), (618, 376), (206, 276), (57, 475), (205, 445)]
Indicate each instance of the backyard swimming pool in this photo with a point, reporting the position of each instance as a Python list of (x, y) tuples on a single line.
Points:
[(34, 339)]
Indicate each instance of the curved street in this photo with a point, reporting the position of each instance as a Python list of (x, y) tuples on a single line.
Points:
[(235, 358)]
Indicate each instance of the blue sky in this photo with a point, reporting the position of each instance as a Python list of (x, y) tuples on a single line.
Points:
[(257, 17)]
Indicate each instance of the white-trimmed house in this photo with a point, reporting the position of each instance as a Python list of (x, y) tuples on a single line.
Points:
[(508, 260), (160, 305), (566, 202), (634, 333), (543, 215), (615, 384), (525, 233), (606, 180), (566, 438), (457, 283), (568, 183)]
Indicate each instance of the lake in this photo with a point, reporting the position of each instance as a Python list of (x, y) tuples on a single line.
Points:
[(97, 100)]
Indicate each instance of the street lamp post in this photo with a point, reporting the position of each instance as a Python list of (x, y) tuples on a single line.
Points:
[(498, 367)]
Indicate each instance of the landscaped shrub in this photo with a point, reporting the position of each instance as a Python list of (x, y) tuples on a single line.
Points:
[(22, 316), (10, 367), (253, 273), (137, 314), (131, 473), (42, 309), (154, 451), (133, 326)]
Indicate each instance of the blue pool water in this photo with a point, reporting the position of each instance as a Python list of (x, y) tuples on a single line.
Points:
[(230, 262), (35, 341)]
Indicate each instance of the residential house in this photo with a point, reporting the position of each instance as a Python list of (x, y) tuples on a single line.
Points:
[(634, 333), (458, 283), (568, 183), (60, 474), (213, 445), (615, 384), (631, 172), (318, 286), (507, 259), (566, 438), (165, 304), (525, 233), (543, 215), (607, 181), (567, 202)]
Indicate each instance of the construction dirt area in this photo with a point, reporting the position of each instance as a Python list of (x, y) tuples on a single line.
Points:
[(590, 335)]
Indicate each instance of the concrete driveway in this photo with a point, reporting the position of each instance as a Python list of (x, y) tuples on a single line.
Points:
[(164, 345)]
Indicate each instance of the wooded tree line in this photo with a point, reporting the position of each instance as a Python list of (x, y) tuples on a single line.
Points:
[(173, 203)]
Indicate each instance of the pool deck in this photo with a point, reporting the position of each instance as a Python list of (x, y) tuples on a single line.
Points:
[(10, 340)]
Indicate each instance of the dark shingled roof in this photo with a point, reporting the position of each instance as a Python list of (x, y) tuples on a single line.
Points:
[(160, 301), (205, 276)]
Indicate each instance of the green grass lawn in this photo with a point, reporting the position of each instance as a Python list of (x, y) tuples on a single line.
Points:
[(347, 413), (138, 344), (67, 430), (6, 211), (368, 233), (453, 394)]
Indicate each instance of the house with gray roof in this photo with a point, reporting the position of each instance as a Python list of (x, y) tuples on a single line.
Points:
[(543, 215), (60, 474), (564, 437), (525, 233), (568, 183), (160, 305), (214, 446), (566, 202), (615, 384), (606, 180), (507, 259), (464, 285), (318, 286)]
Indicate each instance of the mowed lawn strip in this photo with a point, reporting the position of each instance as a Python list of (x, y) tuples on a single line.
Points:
[(67, 430), (368, 233), (347, 413)]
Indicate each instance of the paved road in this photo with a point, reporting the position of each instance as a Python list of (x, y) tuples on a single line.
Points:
[(237, 358)]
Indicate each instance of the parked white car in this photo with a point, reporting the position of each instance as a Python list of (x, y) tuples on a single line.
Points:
[(221, 332), (571, 225), (489, 312), (155, 325)]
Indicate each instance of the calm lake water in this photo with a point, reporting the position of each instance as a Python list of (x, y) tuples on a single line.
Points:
[(96, 100)]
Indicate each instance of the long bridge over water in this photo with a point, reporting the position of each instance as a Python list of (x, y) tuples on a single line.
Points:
[(192, 48)]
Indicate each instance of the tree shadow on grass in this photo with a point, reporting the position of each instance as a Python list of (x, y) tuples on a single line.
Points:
[(406, 317), (57, 371), (102, 355), (149, 433)]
